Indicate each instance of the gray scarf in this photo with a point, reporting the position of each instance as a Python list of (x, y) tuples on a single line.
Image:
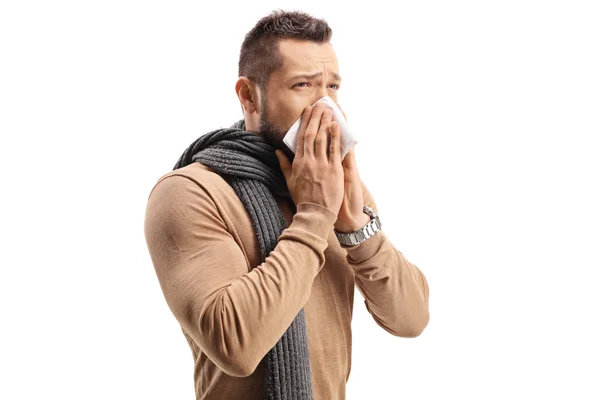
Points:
[(249, 164)]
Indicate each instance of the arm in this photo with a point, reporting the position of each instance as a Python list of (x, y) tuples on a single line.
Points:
[(396, 292), (235, 316)]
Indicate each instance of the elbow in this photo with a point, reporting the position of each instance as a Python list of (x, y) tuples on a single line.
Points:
[(223, 341), (238, 361), (413, 329), (235, 367), (419, 317)]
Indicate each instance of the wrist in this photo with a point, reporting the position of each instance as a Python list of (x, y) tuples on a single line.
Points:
[(363, 233), (354, 225)]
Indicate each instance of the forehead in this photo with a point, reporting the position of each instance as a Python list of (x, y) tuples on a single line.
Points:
[(305, 56)]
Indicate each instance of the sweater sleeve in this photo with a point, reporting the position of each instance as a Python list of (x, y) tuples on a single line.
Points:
[(235, 316), (396, 292)]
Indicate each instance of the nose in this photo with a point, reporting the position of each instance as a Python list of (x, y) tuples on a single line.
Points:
[(320, 93)]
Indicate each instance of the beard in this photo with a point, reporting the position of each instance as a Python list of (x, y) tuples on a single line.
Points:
[(272, 133)]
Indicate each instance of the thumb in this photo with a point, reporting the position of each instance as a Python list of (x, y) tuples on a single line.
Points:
[(284, 163)]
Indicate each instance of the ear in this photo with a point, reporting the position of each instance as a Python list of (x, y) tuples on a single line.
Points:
[(248, 95)]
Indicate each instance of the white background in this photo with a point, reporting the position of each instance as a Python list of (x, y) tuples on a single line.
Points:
[(478, 126)]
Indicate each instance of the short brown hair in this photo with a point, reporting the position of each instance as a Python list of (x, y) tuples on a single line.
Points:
[(260, 55)]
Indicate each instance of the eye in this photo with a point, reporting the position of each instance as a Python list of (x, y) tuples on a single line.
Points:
[(337, 87)]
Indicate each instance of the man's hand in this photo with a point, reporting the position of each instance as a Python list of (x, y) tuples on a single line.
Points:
[(351, 216), (316, 174)]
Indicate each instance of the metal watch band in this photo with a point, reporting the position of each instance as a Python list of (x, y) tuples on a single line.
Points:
[(364, 233)]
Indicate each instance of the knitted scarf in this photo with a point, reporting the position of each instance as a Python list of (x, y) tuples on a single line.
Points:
[(248, 163)]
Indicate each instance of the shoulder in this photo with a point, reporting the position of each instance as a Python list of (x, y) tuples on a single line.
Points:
[(188, 196), (194, 175), (188, 192)]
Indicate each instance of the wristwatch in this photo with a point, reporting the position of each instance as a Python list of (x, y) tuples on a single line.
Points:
[(364, 233)]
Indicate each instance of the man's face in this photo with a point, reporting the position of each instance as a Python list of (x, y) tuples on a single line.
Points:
[(289, 92)]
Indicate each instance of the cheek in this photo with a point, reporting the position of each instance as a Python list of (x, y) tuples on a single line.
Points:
[(287, 108), (286, 115)]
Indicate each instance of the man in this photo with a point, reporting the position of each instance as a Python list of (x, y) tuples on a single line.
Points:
[(246, 236)]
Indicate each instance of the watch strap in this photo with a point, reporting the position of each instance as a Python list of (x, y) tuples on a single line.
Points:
[(364, 233)]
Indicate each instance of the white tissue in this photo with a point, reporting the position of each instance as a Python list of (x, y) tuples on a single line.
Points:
[(347, 139)]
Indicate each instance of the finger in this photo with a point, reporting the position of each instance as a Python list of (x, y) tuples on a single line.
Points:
[(300, 138), (284, 163), (321, 138), (335, 145), (349, 161), (312, 129)]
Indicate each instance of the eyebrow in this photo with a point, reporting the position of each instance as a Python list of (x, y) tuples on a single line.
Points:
[(313, 76)]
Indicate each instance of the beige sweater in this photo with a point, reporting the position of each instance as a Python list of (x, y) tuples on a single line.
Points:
[(204, 250)]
